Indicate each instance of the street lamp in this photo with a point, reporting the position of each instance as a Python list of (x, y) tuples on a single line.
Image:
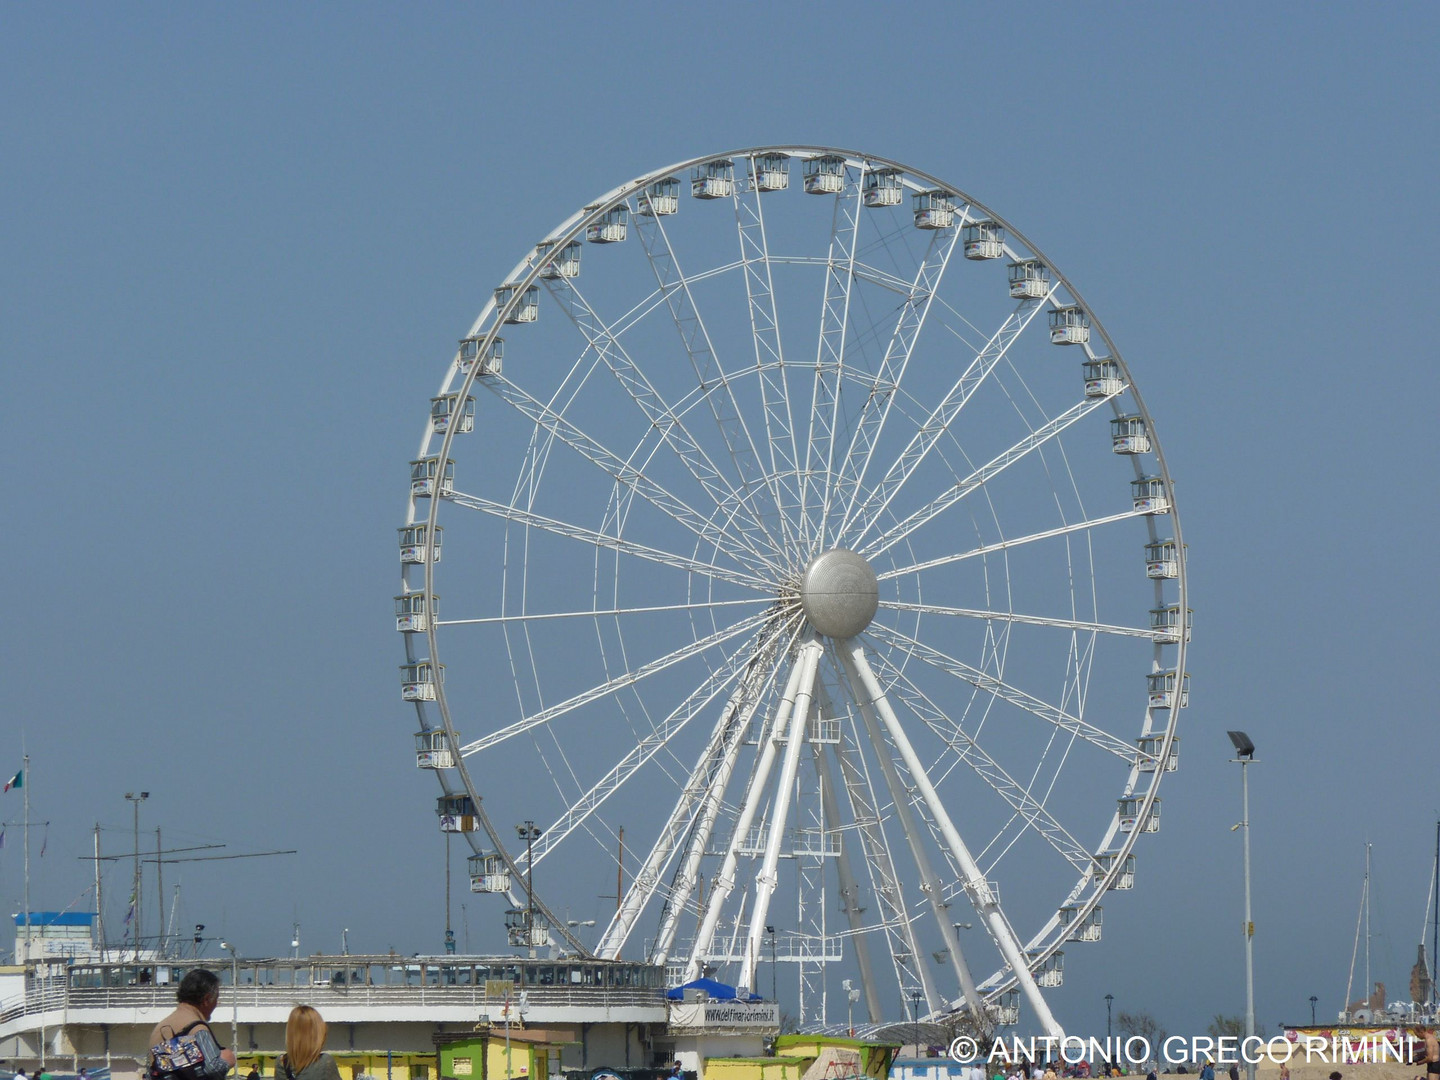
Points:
[(234, 993), (135, 800), (852, 995), (529, 832), (915, 1017), (1245, 756), (1313, 1000), (1109, 998)]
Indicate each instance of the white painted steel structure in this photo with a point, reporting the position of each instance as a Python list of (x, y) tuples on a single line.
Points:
[(788, 541)]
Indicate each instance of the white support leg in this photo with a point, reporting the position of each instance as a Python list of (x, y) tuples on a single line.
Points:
[(768, 877), (857, 664)]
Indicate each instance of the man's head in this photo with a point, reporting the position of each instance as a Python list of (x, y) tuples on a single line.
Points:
[(200, 988)]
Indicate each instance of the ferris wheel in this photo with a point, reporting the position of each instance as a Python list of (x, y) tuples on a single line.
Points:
[(812, 583)]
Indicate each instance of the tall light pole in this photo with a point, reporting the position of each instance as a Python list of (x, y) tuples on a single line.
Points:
[(1313, 1000), (852, 995), (1108, 999), (135, 801), (774, 981), (1245, 757), (234, 994), (915, 1017), (529, 832)]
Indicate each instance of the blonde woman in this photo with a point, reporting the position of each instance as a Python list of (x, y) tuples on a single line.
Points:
[(304, 1045)]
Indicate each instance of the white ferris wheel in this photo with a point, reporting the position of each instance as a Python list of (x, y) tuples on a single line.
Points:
[(809, 550)]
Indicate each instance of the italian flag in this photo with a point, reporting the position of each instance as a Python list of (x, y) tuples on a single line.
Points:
[(18, 780)]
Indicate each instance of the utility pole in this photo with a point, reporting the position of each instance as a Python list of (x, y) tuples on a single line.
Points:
[(160, 893), (99, 905), (135, 801), (1245, 756)]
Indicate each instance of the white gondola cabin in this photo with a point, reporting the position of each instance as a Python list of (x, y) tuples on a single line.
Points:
[(1128, 435), (610, 227), (1086, 929), (1165, 622), (527, 307), (1050, 971), (432, 750), (1029, 279), (770, 172), (413, 614), (884, 187), (1007, 1009), (427, 476), (413, 548), (1162, 559), (824, 731), (1102, 377), (1149, 756), (488, 873), (660, 198), (418, 680), (1148, 495), (1069, 325), (1160, 688), (713, 179), (527, 929), (824, 175), (1105, 861), (1129, 810), (933, 209), (448, 410), (456, 814), (470, 352), (564, 263), (983, 240)]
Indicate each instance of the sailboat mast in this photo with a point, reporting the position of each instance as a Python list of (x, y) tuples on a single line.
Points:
[(99, 907), (1435, 926), (25, 787), (1368, 987)]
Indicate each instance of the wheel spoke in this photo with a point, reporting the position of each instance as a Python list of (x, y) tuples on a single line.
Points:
[(1028, 620), (610, 686), (543, 615)]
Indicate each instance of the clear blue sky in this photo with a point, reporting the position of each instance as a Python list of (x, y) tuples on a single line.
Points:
[(239, 243)]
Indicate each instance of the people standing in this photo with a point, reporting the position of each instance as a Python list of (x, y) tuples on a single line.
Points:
[(304, 1057), (196, 998)]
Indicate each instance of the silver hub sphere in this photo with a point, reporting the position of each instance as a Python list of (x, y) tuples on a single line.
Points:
[(839, 593)]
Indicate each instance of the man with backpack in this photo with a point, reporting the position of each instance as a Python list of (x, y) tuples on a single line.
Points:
[(182, 1045)]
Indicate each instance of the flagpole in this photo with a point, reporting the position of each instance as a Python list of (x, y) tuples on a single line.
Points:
[(25, 788)]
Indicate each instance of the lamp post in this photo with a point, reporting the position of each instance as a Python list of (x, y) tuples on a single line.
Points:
[(234, 993), (852, 995), (135, 800), (1109, 998), (915, 1017), (774, 981), (1245, 757), (1313, 1000), (529, 832)]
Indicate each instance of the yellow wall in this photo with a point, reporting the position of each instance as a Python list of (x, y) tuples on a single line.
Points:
[(401, 1066), (776, 1068)]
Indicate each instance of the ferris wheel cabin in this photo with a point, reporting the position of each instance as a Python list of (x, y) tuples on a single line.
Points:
[(933, 209), (884, 187), (432, 750), (1029, 279), (456, 814), (1148, 495), (448, 409), (1165, 622), (713, 179), (1128, 435), (1162, 559), (1069, 325), (1161, 688), (527, 308), (526, 929), (1050, 971), (770, 172), (1007, 1009), (1149, 756), (660, 198), (1102, 377), (470, 352), (983, 240), (425, 472), (610, 227), (1129, 810), (1125, 879), (488, 874), (413, 615), (412, 543), (564, 263), (824, 175), (418, 680), (1086, 929)]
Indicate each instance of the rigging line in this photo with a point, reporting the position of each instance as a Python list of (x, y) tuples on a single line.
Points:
[(130, 855), (213, 858)]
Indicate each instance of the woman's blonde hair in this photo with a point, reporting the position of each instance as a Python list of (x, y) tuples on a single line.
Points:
[(304, 1037)]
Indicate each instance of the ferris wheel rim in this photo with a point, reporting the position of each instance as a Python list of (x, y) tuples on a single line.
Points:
[(527, 272)]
